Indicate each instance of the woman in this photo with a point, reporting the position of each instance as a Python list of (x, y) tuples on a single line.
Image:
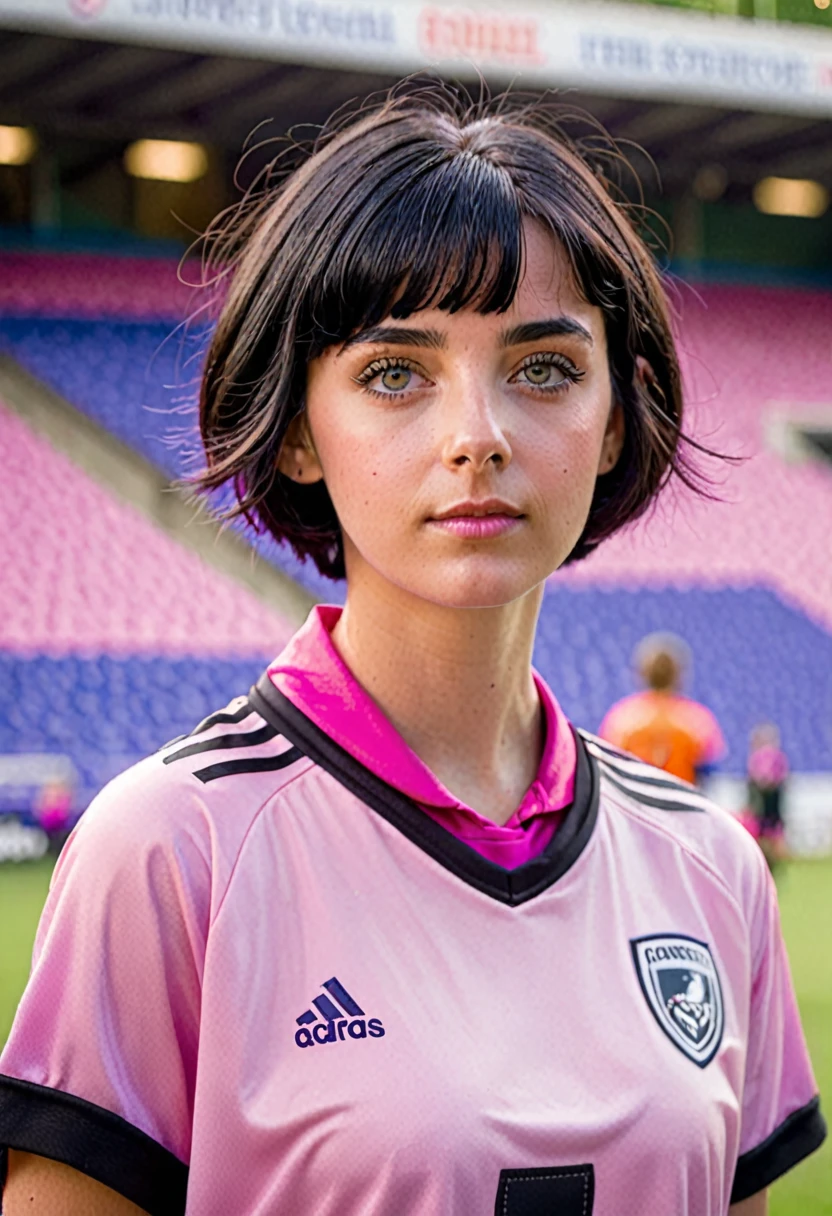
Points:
[(387, 936)]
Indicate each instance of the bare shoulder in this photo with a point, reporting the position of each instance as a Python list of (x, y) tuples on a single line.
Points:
[(37, 1186)]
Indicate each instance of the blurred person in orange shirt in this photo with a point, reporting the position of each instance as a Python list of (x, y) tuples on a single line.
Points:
[(659, 725)]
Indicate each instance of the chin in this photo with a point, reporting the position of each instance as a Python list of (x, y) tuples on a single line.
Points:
[(464, 587)]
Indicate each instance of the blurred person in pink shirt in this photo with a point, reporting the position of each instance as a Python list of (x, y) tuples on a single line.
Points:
[(768, 771), (53, 811)]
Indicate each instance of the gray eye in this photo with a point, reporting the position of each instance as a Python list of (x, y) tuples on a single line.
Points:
[(395, 379), (542, 375)]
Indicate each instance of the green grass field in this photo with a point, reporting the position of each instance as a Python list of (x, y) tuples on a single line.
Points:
[(806, 904)]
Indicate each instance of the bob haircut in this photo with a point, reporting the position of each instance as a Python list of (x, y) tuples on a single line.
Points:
[(415, 202)]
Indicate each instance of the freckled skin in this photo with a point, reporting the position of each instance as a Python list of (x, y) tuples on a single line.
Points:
[(466, 431)]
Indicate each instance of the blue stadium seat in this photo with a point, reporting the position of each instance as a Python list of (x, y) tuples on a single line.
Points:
[(107, 713)]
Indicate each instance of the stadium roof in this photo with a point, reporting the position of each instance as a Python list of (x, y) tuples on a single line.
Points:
[(623, 49), (95, 91)]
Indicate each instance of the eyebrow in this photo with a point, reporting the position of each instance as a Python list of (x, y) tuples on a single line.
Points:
[(398, 335), (554, 327), (434, 339)]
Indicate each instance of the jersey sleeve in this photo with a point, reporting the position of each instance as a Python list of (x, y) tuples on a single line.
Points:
[(100, 1066), (781, 1118)]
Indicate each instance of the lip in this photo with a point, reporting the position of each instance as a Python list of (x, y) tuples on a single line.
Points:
[(478, 520), (471, 509)]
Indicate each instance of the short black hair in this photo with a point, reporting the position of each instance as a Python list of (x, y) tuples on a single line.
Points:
[(416, 201)]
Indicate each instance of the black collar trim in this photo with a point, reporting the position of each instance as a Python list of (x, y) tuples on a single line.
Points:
[(508, 886)]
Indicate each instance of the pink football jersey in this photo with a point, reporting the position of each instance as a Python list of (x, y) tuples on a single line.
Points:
[(267, 983), (768, 766)]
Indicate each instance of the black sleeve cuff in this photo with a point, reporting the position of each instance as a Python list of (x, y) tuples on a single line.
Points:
[(54, 1124), (796, 1137)]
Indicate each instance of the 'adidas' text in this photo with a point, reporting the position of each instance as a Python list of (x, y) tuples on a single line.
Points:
[(331, 1005), (330, 1032)]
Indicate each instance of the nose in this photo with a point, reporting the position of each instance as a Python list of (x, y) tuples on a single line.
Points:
[(473, 435)]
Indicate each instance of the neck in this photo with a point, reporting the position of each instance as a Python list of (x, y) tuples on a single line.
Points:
[(455, 682)]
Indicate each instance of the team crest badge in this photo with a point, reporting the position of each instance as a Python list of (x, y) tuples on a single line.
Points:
[(680, 981)]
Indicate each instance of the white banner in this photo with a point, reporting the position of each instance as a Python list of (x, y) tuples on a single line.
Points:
[(625, 50), (36, 768)]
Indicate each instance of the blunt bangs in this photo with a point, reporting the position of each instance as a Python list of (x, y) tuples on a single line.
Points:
[(442, 231), (420, 203)]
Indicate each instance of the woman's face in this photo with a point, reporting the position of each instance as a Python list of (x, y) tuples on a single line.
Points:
[(461, 450)]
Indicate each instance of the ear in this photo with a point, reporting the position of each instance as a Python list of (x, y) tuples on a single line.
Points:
[(644, 372), (297, 457), (613, 440)]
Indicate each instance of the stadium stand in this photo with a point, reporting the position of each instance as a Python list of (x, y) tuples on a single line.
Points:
[(127, 375), (748, 587), (128, 359), (93, 285), (113, 638), (748, 352)]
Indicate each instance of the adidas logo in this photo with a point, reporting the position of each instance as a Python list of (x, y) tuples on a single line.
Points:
[(332, 1005)]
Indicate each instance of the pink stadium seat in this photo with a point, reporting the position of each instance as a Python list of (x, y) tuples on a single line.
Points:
[(93, 285), (85, 573)]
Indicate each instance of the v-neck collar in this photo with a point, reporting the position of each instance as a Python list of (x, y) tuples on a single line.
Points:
[(508, 886), (312, 674)]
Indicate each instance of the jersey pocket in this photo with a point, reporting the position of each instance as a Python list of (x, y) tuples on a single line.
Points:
[(559, 1190)]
